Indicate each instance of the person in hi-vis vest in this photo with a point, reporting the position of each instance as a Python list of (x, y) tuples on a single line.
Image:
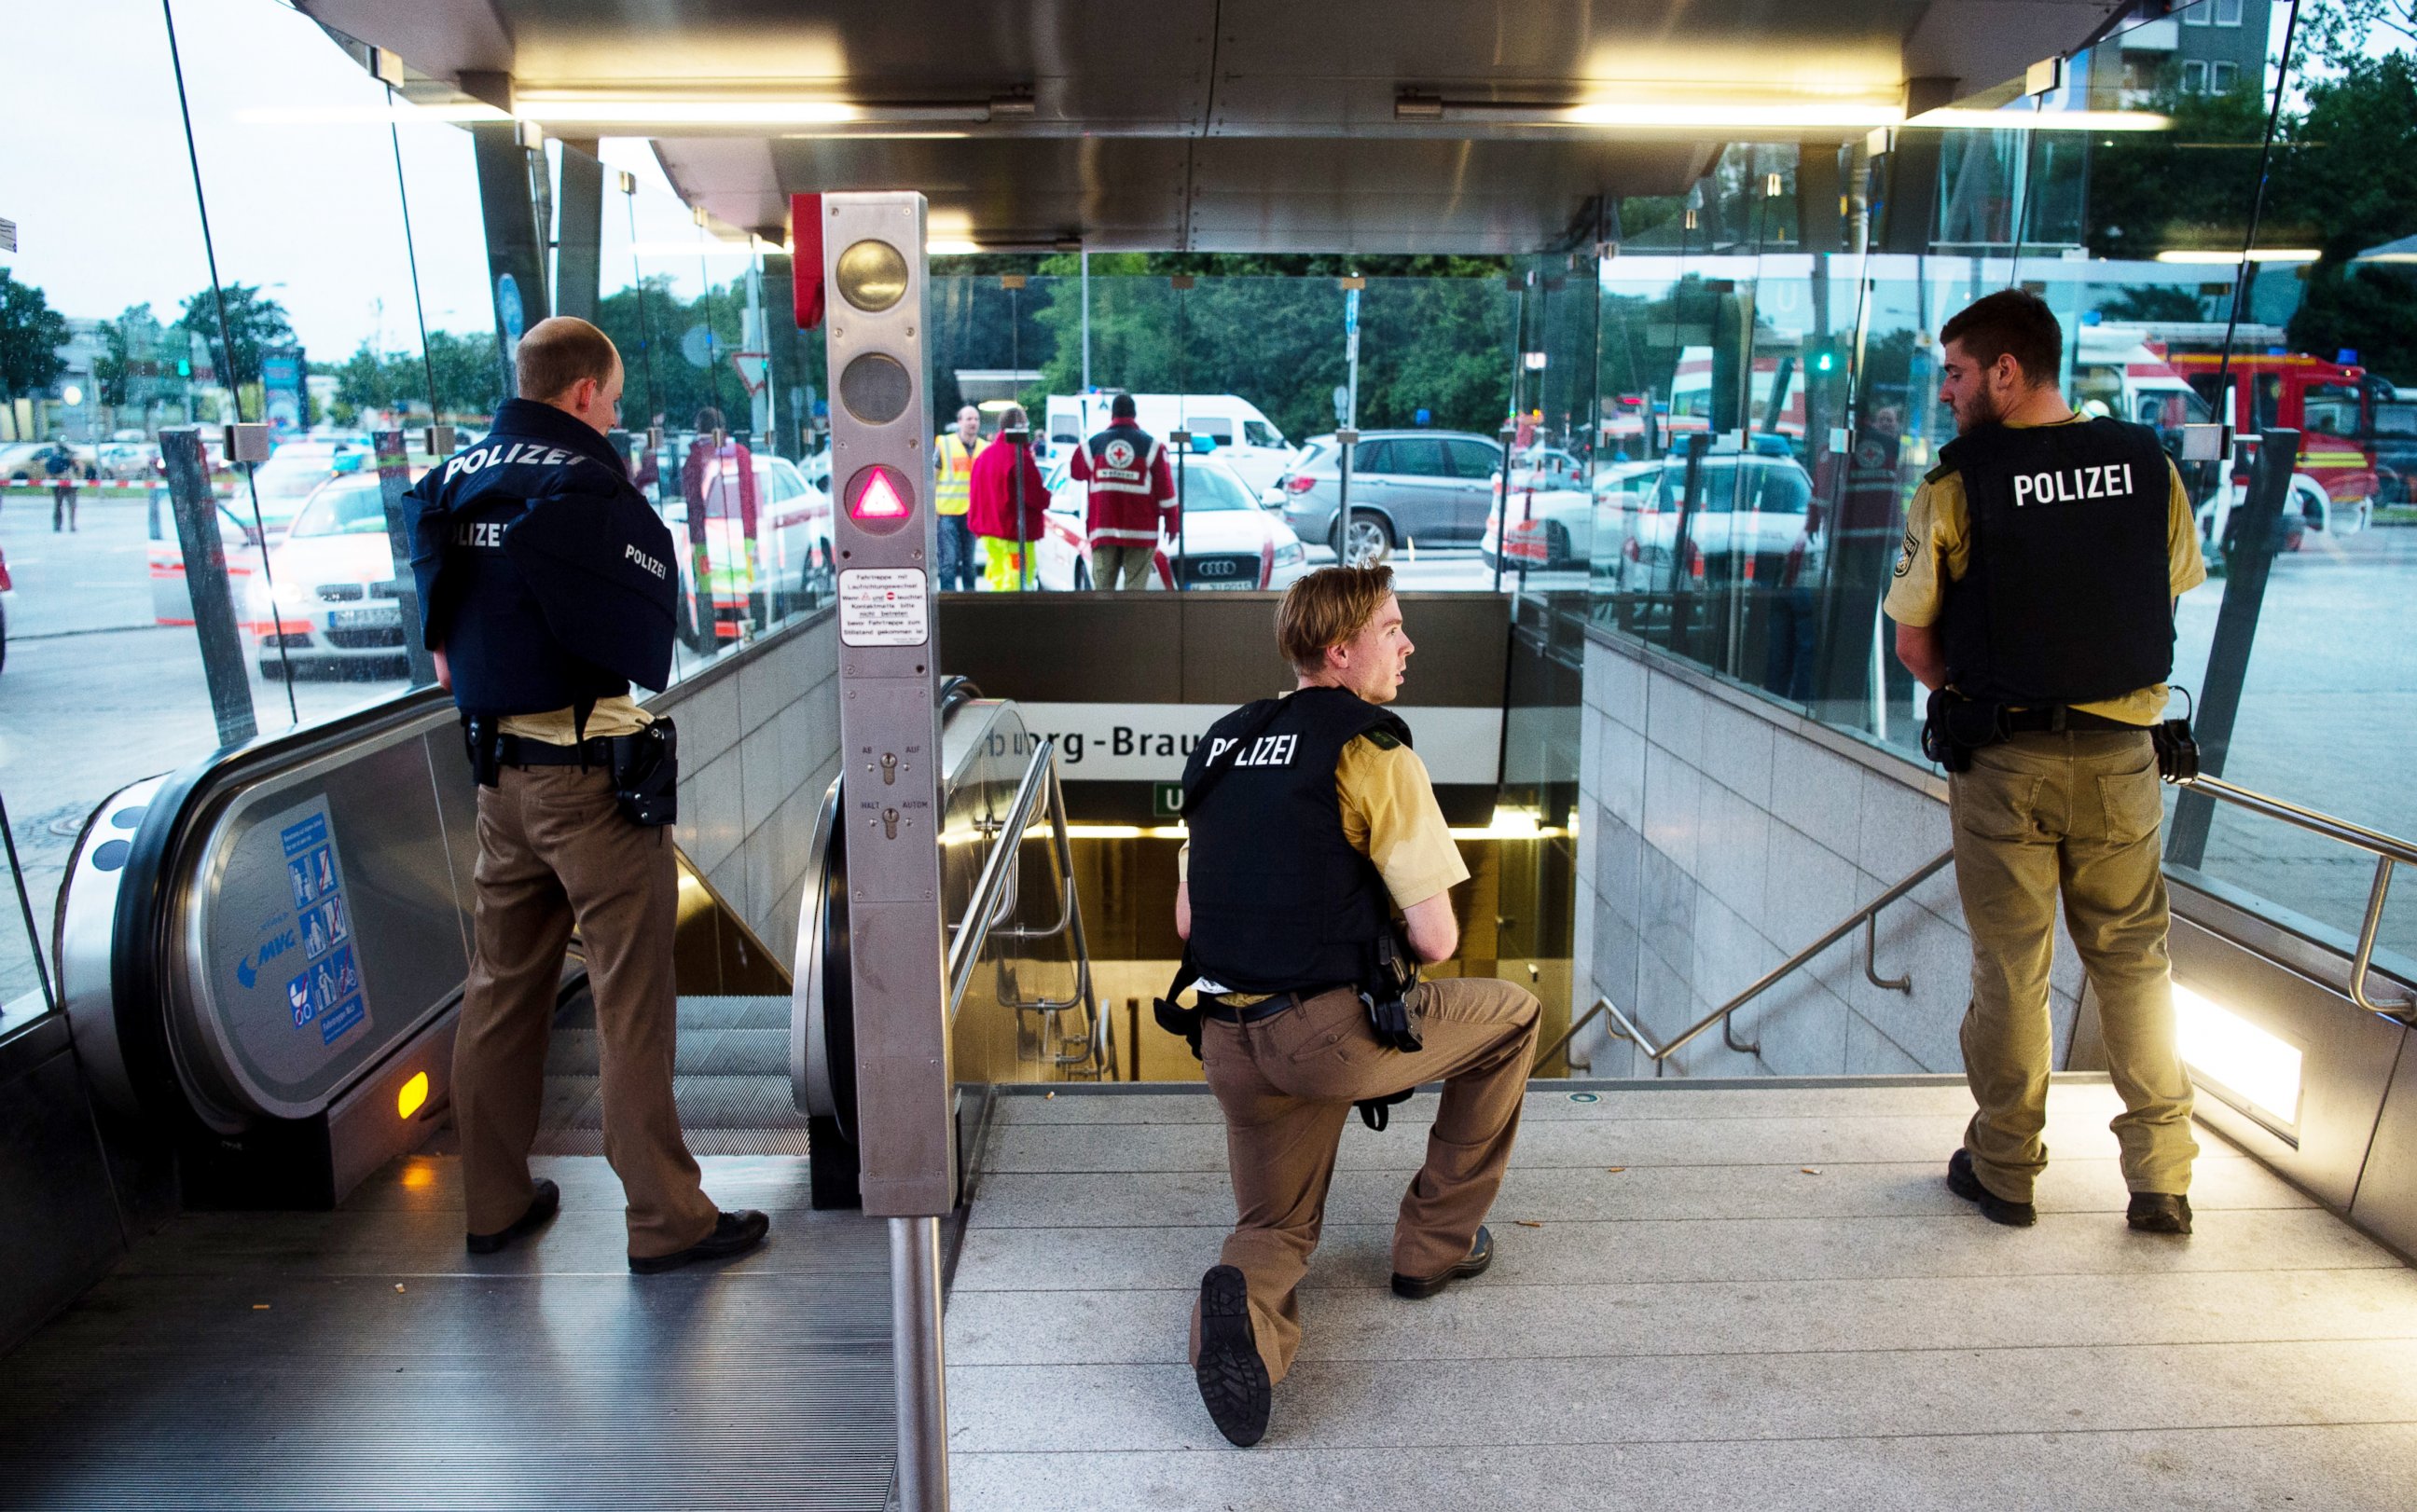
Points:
[(952, 471)]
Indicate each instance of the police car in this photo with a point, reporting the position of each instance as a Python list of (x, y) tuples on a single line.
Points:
[(329, 598), (1228, 542)]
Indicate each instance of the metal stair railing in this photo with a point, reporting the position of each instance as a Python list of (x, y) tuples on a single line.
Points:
[(995, 891), (2388, 850), (1866, 917)]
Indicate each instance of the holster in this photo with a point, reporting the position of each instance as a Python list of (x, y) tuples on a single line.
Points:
[(1394, 971), (1172, 1015), (484, 742), (646, 774), (1954, 727), (2176, 750)]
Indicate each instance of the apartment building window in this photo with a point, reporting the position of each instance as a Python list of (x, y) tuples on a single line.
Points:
[(2222, 76), (2194, 77)]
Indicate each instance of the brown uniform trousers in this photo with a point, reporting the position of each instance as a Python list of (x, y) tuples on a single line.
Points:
[(1287, 1084), (554, 851), (2078, 812)]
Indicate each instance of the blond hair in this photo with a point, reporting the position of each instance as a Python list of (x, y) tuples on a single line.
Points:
[(558, 353), (1326, 608)]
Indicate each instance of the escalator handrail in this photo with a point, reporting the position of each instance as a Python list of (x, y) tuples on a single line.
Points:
[(999, 869)]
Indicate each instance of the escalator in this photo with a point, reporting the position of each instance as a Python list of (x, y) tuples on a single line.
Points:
[(262, 959)]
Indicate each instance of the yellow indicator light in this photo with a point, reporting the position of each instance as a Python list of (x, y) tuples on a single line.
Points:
[(413, 1097), (871, 276)]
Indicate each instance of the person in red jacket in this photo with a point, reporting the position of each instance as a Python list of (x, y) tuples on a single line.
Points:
[(1132, 497), (1008, 543)]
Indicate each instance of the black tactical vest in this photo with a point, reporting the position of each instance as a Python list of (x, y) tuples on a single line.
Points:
[(2067, 597), (1279, 900)]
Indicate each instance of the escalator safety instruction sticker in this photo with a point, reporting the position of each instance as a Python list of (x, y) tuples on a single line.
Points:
[(325, 992), (884, 606)]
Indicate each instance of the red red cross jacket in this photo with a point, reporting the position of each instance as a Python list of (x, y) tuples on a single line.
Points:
[(1132, 487)]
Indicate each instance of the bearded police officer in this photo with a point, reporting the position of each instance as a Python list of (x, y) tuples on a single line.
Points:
[(547, 588), (1312, 823), (2036, 592)]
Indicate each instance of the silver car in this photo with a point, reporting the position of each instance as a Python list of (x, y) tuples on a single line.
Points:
[(1431, 487)]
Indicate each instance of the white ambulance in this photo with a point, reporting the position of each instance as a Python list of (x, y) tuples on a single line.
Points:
[(1245, 440)]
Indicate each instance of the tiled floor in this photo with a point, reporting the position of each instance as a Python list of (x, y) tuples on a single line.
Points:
[(1771, 1302)]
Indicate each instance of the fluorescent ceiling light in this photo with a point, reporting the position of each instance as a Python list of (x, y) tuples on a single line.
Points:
[(2023, 120), (2228, 1049), (2255, 254), (949, 246), (708, 247), (1665, 115), (399, 113), (873, 133), (552, 107), (599, 110)]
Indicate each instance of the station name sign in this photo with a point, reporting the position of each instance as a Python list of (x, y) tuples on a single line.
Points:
[(1151, 741)]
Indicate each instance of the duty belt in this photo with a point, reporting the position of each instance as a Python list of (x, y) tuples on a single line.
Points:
[(1223, 1012), (2056, 719)]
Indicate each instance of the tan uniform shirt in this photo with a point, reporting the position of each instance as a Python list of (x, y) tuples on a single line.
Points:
[(618, 715), (1939, 550)]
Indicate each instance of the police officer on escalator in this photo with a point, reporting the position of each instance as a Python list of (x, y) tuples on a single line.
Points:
[(1313, 823), (2034, 592), (547, 587)]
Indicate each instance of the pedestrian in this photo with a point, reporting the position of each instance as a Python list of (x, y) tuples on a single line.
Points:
[(1312, 821), (59, 465), (546, 586), (2036, 593), (1008, 537), (953, 467), (1132, 498)]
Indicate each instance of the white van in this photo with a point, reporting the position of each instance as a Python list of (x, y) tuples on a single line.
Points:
[(1246, 440)]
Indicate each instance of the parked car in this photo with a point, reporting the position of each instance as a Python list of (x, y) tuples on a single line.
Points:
[(329, 596), (1228, 541), (281, 484), (129, 462), (26, 462), (747, 579), (1431, 487), (1558, 528), (1748, 520)]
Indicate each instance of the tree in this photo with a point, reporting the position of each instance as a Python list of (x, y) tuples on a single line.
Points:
[(2186, 186), (253, 324), (2347, 182), (126, 372), (2151, 302), (2337, 33), (31, 334)]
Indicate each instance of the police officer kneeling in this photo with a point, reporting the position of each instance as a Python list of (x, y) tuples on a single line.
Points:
[(1312, 820), (2035, 591), (546, 589)]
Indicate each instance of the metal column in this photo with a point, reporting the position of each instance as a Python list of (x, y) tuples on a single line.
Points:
[(508, 205), (196, 508), (578, 257), (874, 268)]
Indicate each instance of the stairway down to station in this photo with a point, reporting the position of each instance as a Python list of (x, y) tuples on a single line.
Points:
[(731, 1079), (1705, 1296)]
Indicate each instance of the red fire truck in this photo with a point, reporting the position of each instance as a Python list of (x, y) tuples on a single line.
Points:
[(2331, 404)]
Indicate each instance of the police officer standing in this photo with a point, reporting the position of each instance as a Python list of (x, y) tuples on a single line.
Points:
[(1311, 822), (2036, 592), (547, 587), (1132, 498)]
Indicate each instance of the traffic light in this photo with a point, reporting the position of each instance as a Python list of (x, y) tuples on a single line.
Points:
[(876, 323)]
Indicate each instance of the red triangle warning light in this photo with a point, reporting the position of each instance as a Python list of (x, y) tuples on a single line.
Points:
[(879, 499)]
